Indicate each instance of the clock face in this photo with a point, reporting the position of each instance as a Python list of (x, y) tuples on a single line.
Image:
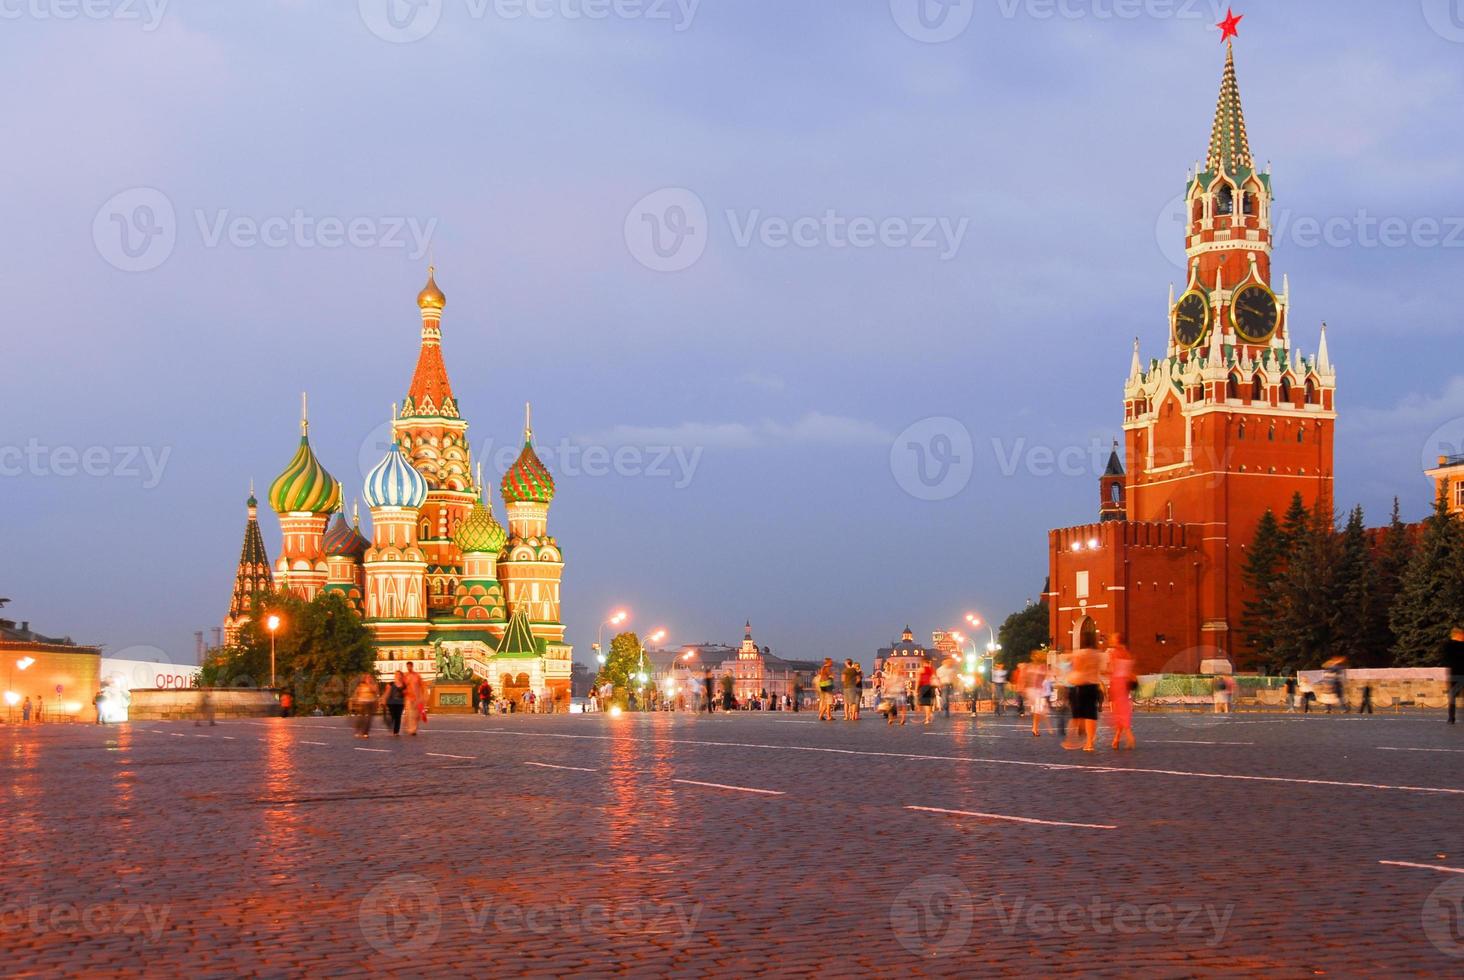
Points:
[(1191, 318), (1254, 313)]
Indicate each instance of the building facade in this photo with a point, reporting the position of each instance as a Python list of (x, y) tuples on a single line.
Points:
[(1231, 422), (57, 677), (437, 576), (1448, 480)]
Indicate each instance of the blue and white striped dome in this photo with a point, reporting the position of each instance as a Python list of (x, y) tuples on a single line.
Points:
[(395, 482)]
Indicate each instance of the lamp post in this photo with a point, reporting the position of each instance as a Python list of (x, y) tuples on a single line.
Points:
[(618, 617), (11, 698), (272, 623), (642, 677), (992, 648)]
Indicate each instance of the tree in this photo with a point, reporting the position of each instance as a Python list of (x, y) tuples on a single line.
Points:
[(1264, 563), (622, 663), (321, 649), (1307, 589), (1390, 561), (1431, 598), (1359, 619), (1022, 632)]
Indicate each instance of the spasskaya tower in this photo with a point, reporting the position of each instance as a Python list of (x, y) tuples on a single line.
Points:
[(1230, 422)]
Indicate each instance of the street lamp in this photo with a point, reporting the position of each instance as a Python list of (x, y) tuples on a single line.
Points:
[(272, 623), (616, 618), (24, 663), (642, 676)]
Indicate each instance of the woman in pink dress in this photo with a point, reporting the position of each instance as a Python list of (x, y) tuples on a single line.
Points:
[(1121, 682)]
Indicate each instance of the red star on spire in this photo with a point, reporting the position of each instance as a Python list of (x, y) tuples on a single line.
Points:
[(1229, 27)]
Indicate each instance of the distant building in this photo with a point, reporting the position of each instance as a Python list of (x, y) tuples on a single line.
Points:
[(1448, 479), (944, 644), (901, 661), (56, 673), (754, 670)]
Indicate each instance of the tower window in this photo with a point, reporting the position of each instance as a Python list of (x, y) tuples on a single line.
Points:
[(1459, 495), (1286, 389), (1232, 387), (1240, 430), (1224, 200), (1301, 435), (1311, 392), (1257, 392)]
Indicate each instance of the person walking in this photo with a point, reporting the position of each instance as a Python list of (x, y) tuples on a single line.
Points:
[(25, 712), (1121, 684), (364, 702), (1454, 664), (1084, 699), (1366, 705), (998, 684), (945, 676), (97, 702), (893, 687), (395, 699), (925, 690), (1032, 679), (850, 678), (709, 684), (1291, 695), (825, 683), (412, 709)]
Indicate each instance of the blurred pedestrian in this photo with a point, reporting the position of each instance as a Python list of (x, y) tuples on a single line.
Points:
[(98, 701), (850, 678), (25, 712), (1121, 684), (364, 702), (395, 700), (1032, 679), (1366, 707), (1222, 694), (1084, 699), (1291, 695), (709, 684), (413, 707), (925, 690), (945, 676), (998, 684), (287, 704), (1454, 664), (825, 683)]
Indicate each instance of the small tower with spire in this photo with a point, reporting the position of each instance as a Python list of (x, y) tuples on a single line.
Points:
[(481, 538), (304, 496), (345, 550), (1111, 504), (253, 575), (396, 568), (532, 567)]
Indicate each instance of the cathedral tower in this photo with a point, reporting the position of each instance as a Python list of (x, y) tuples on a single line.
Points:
[(253, 574), (345, 549), (434, 437), (396, 567), (304, 496), (531, 570)]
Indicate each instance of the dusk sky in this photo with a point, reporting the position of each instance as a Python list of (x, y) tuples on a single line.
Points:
[(212, 207)]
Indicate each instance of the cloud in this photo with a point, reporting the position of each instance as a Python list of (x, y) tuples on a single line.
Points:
[(1410, 415), (814, 428), (762, 379)]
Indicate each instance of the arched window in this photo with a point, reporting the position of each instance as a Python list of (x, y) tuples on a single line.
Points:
[(1240, 431), (1197, 214), (1311, 392), (1232, 387), (1248, 203), (1224, 200), (1286, 389), (1257, 391), (1301, 435), (1271, 435)]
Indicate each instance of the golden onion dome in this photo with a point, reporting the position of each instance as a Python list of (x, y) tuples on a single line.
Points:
[(431, 298)]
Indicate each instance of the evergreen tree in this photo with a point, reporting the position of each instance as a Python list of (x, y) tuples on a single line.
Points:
[(1431, 598), (1021, 633), (1390, 561), (1308, 590), (1264, 562), (1296, 522), (1358, 618), (622, 664)]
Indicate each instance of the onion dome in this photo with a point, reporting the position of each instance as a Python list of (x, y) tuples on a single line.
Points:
[(343, 540), (527, 480), (304, 486), (480, 532), (395, 482), (431, 298)]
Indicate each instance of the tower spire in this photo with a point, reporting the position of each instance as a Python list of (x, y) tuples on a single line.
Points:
[(528, 424), (304, 415), (1229, 146)]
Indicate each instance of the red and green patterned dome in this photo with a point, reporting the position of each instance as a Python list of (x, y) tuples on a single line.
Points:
[(344, 540), (480, 532), (527, 480)]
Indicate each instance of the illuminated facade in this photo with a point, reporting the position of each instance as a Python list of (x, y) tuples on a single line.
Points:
[(1231, 422), (437, 574)]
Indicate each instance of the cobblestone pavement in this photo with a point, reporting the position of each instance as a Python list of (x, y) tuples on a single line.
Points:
[(743, 843)]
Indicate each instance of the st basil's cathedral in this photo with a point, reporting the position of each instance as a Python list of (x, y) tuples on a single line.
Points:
[(1232, 422), (438, 572)]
